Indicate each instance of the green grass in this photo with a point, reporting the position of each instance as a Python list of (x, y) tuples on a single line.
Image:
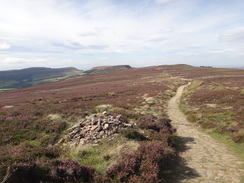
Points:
[(6, 89), (195, 85), (101, 155), (237, 148), (35, 142), (103, 107)]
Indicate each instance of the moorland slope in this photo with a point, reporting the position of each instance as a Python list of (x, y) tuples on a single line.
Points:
[(34, 121), (52, 131), (23, 78)]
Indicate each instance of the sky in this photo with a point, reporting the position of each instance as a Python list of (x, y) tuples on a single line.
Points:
[(88, 33)]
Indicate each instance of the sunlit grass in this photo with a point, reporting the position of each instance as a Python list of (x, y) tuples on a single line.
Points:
[(101, 155)]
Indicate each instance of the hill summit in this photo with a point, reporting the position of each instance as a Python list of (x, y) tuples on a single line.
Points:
[(106, 69)]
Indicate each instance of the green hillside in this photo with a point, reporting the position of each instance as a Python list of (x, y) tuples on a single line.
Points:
[(14, 79), (23, 78)]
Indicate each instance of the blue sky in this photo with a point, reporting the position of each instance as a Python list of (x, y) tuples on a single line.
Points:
[(87, 33)]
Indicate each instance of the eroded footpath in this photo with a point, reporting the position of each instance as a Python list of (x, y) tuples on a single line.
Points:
[(208, 160)]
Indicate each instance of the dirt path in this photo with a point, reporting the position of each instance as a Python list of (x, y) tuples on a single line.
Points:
[(207, 160)]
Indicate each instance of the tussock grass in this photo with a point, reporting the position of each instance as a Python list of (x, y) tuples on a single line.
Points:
[(112, 94), (54, 117), (195, 84), (103, 107), (7, 106), (102, 155)]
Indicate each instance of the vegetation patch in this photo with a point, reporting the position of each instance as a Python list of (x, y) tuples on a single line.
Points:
[(133, 134), (103, 154), (7, 106), (103, 107), (54, 117), (217, 106), (43, 115), (147, 164)]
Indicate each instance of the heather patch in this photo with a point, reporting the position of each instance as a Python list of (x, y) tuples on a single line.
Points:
[(43, 115)]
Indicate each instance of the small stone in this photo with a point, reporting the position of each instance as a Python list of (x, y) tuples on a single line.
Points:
[(105, 126), (82, 135), (121, 118), (76, 126), (187, 172), (94, 120), (99, 122), (61, 141), (99, 129), (128, 125), (76, 130), (114, 130), (99, 136), (94, 127), (72, 134)]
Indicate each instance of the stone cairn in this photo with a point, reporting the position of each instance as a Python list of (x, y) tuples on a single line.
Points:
[(94, 128)]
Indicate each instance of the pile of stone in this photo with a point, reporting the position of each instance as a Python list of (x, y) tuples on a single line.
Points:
[(94, 128)]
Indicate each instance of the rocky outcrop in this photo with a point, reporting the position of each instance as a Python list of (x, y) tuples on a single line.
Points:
[(94, 128)]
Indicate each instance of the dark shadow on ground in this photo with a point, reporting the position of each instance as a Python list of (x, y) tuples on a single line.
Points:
[(182, 171), (181, 143)]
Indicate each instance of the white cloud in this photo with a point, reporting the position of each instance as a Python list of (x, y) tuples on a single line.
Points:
[(103, 58), (65, 29), (230, 49), (105, 25), (13, 60), (216, 51), (162, 1), (4, 45), (234, 35), (19, 60)]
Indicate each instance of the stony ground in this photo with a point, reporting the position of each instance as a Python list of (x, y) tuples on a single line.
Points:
[(205, 159)]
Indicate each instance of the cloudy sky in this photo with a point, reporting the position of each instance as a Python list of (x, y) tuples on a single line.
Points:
[(87, 33)]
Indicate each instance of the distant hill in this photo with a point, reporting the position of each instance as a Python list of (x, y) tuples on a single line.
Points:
[(14, 79), (34, 76), (106, 69), (231, 67)]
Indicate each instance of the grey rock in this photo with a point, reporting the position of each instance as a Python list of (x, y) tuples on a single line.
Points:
[(106, 126)]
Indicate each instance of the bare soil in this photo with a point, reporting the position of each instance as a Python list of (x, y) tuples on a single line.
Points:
[(205, 160)]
